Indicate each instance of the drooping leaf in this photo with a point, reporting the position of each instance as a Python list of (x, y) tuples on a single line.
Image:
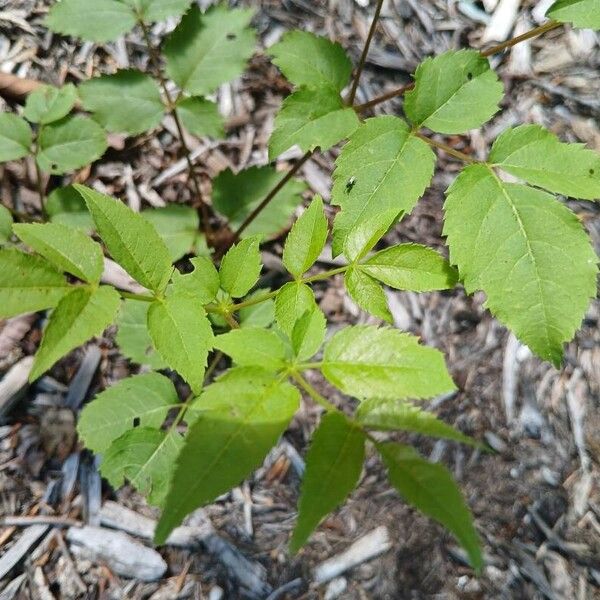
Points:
[(311, 118), (454, 92), (371, 362), (206, 50), (48, 103), (382, 167), (133, 337), (201, 117), (310, 60), (333, 466), (158, 10), (145, 457), (292, 301), (253, 347), (581, 13), (82, 314), (97, 21), (127, 101), (241, 416), (146, 398), (131, 240), (308, 333), (306, 239), (241, 267), (411, 267), (65, 205), (15, 137), (361, 239), (257, 315), (540, 158), (6, 223), (69, 144), (526, 251), (177, 225), (236, 195), (68, 249), (202, 283), (28, 283), (182, 335), (367, 293), (431, 489)]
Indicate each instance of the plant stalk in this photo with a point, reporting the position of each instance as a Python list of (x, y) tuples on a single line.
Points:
[(310, 390), (447, 149)]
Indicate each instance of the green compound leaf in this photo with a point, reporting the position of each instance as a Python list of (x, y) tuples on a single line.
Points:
[(206, 50), (202, 283), (145, 457), (82, 314), (311, 118), (364, 236), (182, 335), (241, 417), (127, 101), (65, 206), (133, 337), (292, 301), (177, 225), (527, 252), (310, 60), (367, 293), (454, 92), (382, 167), (69, 144), (69, 250), (333, 466), (308, 333), (236, 195), (15, 137), (411, 267), (431, 489), (253, 347), (28, 283), (241, 267), (158, 10), (131, 240), (532, 153), (371, 362), (581, 13), (306, 239), (97, 21), (401, 415), (47, 103), (6, 224), (201, 117), (147, 398)]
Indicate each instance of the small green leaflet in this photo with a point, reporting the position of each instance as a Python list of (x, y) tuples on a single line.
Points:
[(581, 13), (241, 267), (145, 457), (82, 314), (310, 60), (371, 362), (127, 101), (201, 117), (206, 50), (68, 249), (241, 416), (202, 284), (177, 225), (306, 239), (253, 347), (97, 21), (47, 103), (526, 251), (292, 301), (15, 137), (411, 267), (28, 283), (392, 415), (70, 144), (182, 335), (540, 158), (146, 397), (132, 336), (367, 293), (430, 488), (454, 92), (382, 167), (158, 10), (311, 118), (364, 236), (6, 223), (333, 466), (65, 205), (308, 333), (131, 240), (236, 195)]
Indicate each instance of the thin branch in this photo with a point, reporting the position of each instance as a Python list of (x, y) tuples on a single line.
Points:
[(363, 57), (549, 26), (310, 390), (447, 149), (384, 97)]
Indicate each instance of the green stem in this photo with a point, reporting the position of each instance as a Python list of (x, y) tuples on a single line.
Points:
[(310, 390), (140, 297), (549, 26), (447, 149), (325, 274)]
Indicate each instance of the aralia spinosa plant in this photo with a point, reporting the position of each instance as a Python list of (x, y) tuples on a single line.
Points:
[(516, 242)]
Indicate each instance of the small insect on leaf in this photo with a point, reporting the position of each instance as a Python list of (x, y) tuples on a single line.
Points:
[(350, 184)]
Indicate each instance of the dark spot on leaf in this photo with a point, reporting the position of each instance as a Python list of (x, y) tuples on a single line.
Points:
[(592, 171), (136, 421), (469, 76), (231, 36), (54, 166)]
